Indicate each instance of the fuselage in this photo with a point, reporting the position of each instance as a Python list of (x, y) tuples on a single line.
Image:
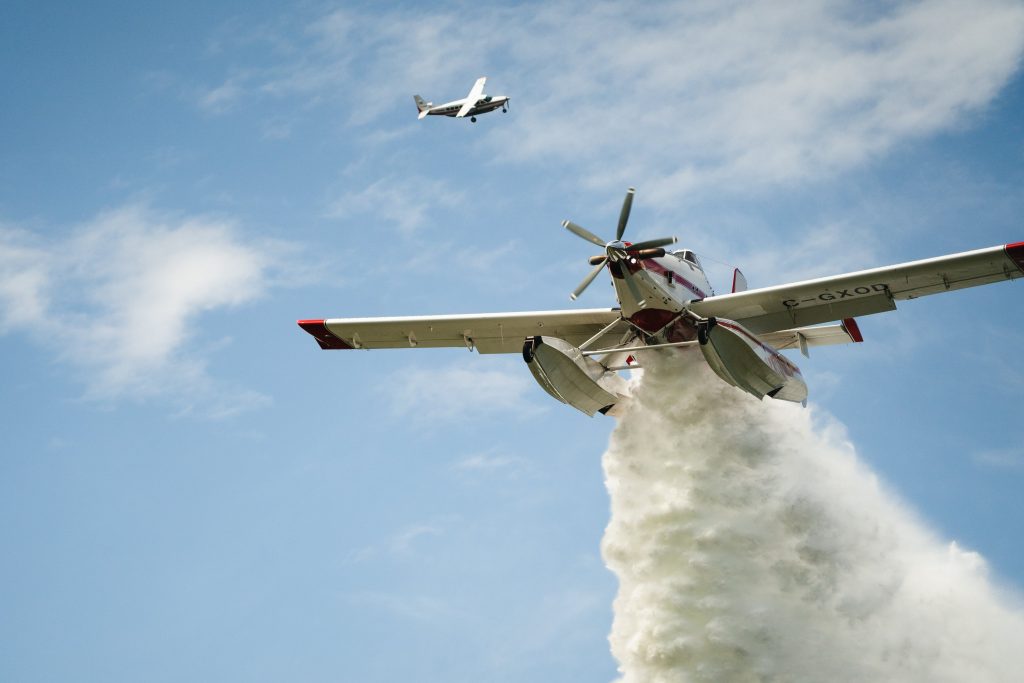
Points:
[(661, 289), (483, 105), (654, 295)]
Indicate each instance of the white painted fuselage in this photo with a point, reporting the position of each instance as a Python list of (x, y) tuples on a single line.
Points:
[(482, 106), (473, 104)]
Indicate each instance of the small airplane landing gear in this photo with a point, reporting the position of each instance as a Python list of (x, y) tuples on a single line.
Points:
[(473, 119)]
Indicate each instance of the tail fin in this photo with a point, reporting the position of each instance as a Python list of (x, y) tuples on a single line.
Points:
[(739, 283), (422, 107)]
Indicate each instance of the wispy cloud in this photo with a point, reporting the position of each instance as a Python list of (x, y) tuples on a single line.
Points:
[(682, 95), (490, 461), (813, 253), (118, 300), (401, 545), (405, 203), (460, 391), (24, 278), (223, 97), (485, 466), (423, 608), (742, 93), (1003, 459)]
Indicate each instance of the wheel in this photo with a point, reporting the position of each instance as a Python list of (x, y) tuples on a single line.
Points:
[(473, 119)]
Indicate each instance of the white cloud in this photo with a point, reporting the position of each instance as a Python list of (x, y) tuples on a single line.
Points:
[(819, 251), (402, 545), (402, 202), (423, 608), (744, 93), (1004, 459), (490, 462), (483, 467), (119, 298), (460, 391), (223, 97), (681, 95), (24, 279)]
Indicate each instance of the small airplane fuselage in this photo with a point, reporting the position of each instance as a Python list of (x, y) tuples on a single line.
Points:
[(487, 104), (474, 104)]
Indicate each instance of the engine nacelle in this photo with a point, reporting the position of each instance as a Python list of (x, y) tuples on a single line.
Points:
[(743, 360), (565, 373)]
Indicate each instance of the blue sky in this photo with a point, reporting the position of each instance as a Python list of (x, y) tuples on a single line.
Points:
[(192, 489)]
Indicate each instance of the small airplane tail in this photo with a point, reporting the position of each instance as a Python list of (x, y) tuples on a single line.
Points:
[(422, 107)]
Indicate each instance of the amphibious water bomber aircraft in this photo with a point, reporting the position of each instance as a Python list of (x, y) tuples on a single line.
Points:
[(476, 102), (665, 301)]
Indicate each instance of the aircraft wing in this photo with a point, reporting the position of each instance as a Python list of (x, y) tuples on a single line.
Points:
[(486, 332), (771, 309), (472, 97)]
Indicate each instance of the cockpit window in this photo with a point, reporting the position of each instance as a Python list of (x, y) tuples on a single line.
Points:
[(687, 255)]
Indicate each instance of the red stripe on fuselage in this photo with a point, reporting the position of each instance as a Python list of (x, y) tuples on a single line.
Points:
[(651, 264)]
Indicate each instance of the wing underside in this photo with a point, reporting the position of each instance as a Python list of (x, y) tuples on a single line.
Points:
[(811, 302), (472, 97), (487, 333), (784, 316)]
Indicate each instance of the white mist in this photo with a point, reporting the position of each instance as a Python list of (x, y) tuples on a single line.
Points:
[(751, 545)]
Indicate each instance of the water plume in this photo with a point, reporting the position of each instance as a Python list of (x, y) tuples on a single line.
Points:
[(751, 545)]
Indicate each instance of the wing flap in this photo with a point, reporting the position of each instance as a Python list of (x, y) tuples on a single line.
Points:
[(811, 302), (487, 333)]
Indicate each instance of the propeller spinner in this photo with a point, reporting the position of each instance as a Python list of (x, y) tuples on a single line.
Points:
[(617, 250)]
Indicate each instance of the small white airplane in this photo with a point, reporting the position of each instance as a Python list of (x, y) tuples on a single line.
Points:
[(476, 102), (666, 301)]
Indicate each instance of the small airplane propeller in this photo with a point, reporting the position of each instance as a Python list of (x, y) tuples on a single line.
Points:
[(617, 250)]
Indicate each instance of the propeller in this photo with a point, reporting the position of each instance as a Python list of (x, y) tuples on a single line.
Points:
[(617, 250)]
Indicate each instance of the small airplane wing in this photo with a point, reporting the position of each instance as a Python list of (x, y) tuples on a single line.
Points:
[(472, 97), (486, 332), (771, 309)]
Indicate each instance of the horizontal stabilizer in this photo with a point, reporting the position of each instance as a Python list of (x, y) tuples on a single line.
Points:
[(802, 338)]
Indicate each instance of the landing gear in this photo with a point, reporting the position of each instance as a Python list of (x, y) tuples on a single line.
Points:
[(504, 110), (473, 119)]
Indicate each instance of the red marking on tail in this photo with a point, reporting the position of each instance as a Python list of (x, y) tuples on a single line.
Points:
[(850, 325)]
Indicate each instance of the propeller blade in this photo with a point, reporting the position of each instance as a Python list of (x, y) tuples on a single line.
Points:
[(594, 260), (627, 204), (587, 280), (580, 231), (652, 244), (647, 253)]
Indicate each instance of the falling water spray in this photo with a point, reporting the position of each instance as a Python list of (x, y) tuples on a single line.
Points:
[(751, 545)]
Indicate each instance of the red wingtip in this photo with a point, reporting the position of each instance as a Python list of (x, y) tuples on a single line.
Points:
[(850, 325), (323, 336), (1016, 253)]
